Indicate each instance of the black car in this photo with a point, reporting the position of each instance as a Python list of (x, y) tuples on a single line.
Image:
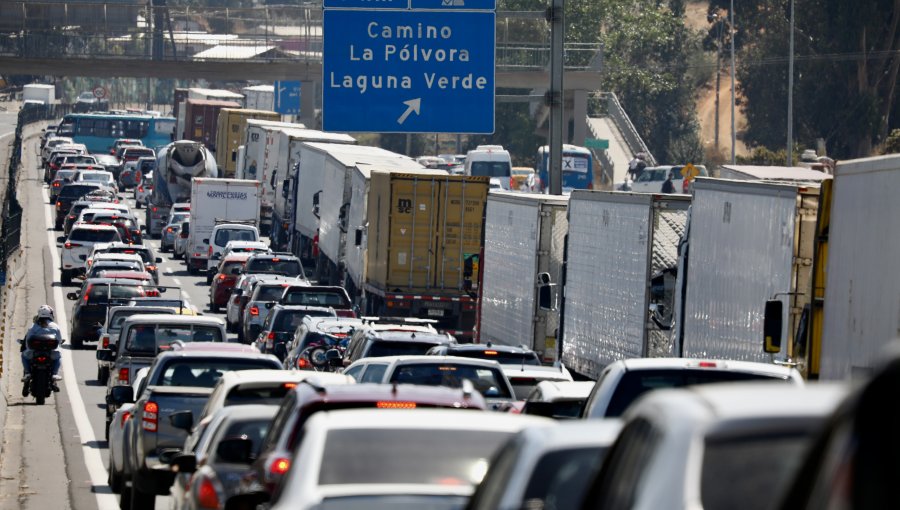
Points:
[(93, 301), (274, 263), (68, 195)]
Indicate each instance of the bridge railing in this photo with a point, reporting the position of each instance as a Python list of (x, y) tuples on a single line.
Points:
[(128, 30)]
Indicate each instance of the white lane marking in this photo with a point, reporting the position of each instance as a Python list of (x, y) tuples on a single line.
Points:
[(92, 459), (177, 281), (168, 270)]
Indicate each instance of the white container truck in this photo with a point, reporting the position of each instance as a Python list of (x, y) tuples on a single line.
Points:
[(39, 92), (746, 243), (622, 254), (283, 154), (259, 97), (862, 290), (216, 201), (524, 241), (791, 174)]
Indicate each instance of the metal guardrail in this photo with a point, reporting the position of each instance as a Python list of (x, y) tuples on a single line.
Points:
[(623, 122), (112, 30)]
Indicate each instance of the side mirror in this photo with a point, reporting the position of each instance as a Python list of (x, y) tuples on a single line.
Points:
[(120, 395), (184, 463), (72, 296), (357, 241), (183, 420), (772, 324), (235, 450), (105, 355)]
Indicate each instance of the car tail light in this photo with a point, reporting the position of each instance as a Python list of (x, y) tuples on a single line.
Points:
[(87, 293), (123, 376), (254, 311), (708, 364), (490, 353), (155, 209), (150, 268), (125, 417), (222, 277), (395, 405), (209, 252), (59, 205), (237, 300), (270, 340), (56, 184), (512, 182), (141, 189), (105, 342), (150, 418), (280, 466), (170, 230), (302, 363), (207, 496)]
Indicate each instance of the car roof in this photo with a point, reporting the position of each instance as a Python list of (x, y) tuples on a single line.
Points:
[(236, 257), (200, 320), (270, 255), (325, 323), (241, 243), (202, 350), (563, 390), (118, 281), (689, 363), (430, 360), (144, 310), (235, 226), (571, 433), (117, 245), (402, 333), (315, 389), (300, 308), (116, 256), (536, 372), (435, 419), (266, 376), (488, 347), (134, 275)]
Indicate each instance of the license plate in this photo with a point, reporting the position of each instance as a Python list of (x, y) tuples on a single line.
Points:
[(433, 312)]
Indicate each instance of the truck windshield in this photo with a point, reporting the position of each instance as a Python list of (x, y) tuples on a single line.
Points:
[(491, 168)]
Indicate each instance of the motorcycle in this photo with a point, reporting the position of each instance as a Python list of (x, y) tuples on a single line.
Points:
[(321, 356), (43, 349)]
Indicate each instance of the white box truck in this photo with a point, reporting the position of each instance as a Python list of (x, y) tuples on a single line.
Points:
[(39, 92), (259, 97), (746, 243), (622, 254), (216, 201), (862, 289), (790, 174), (524, 241), (282, 156)]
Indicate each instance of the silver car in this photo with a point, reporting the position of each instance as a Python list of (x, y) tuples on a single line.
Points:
[(181, 240), (170, 231)]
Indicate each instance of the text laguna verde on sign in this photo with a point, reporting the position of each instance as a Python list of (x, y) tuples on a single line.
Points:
[(409, 71)]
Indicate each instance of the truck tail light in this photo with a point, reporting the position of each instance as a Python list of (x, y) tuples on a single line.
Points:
[(150, 419)]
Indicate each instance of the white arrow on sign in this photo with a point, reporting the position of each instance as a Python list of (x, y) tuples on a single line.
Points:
[(413, 105)]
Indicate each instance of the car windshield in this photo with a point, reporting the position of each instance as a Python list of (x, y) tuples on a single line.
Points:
[(152, 337), (651, 175), (383, 348), (99, 294), (204, 373), (258, 393), (488, 381), (228, 267), (289, 320), (137, 153), (120, 266), (145, 254), (287, 267), (746, 473), (637, 382), (253, 429), (333, 299), (116, 321), (226, 234), (94, 236), (94, 176), (178, 219), (560, 478), (407, 456), (523, 386), (491, 168), (65, 174), (504, 358)]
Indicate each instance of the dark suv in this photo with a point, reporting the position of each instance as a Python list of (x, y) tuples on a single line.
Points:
[(68, 195), (94, 300), (377, 340), (282, 322)]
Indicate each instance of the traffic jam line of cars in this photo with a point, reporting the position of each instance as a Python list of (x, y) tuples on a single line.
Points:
[(309, 405)]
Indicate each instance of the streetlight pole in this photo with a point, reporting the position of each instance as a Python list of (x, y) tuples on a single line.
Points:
[(790, 113), (556, 17), (733, 136)]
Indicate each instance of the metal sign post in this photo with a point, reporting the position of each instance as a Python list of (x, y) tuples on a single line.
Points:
[(556, 17)]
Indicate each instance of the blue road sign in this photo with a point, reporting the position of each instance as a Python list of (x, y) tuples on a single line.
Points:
[(287, 97), (366, 4), (408, 71), (471, 5)]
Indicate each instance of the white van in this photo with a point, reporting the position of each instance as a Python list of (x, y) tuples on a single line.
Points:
[(490, 161)]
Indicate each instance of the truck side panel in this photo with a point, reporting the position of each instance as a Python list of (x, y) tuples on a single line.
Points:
[(356, 255), (741, 245), (331, 202), (862, 301), (310, 181), (606, 280)]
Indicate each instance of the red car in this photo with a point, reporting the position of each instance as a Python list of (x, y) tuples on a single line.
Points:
[(227, 275)]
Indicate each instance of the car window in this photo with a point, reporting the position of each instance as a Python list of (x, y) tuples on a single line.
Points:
[(488, 381), (374, 374), (100, 294), (228, 267), (491, 168), (76, 190), (282, 417), (268, 293), (145, 254), (504, 358), (223, 236), (252, 429), (288, 267), (316, 298), (560, 478), (635, 383), (381, 348), (746, 473), (152, 337), (264, 394), (94, 236), (205, 373), (290, 320), (354, 371)]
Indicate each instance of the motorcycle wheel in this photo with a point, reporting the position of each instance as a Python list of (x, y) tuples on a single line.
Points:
[(40, 387)]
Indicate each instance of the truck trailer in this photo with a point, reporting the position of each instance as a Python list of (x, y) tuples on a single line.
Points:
[(201, 117), (232, 124), (621, 259), (524, 241)]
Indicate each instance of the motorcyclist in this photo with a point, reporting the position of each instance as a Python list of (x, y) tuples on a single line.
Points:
[(637, 165), (43, 325)]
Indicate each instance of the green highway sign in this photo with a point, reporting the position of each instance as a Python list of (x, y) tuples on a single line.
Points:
[(596, 143)]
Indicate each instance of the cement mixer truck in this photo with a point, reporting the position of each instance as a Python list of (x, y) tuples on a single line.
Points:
[(176, 165)]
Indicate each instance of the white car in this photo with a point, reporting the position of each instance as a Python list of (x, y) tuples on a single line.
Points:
[(245, 247), (558, 399), (103, 177), (524, 378), (143, 189), (181, 240), (96, 258), (223, 234), (712, 446), (622, 382), (402, 458), (78, 246), (52, 143)]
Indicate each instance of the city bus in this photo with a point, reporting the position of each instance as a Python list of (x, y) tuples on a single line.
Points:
[(98, 131), (577, 167)]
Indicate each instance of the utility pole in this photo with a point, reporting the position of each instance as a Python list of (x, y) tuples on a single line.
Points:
[(556, 18), (733, 135), (790, 113)]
